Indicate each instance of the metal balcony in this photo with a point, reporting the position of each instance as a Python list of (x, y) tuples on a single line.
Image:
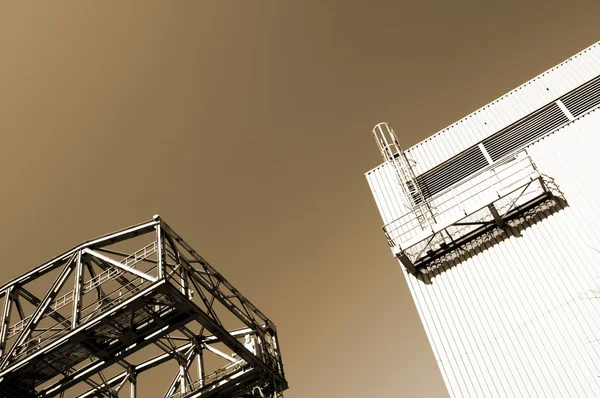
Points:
[(490, 199)]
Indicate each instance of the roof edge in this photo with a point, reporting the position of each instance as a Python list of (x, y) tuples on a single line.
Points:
[(504, 95)]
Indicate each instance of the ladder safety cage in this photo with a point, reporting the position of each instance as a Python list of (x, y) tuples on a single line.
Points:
[(414, 200)]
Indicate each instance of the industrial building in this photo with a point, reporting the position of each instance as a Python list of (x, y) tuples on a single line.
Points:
[(495, 223)]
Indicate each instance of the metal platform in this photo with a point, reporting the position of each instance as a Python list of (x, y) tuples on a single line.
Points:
[(488, 200), (104, 305)]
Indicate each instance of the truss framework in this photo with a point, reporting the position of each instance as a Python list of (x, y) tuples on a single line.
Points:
[(113, 300)]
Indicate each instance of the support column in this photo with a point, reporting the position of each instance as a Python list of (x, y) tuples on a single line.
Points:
[(200, 361), (160, 264), (132, 377), (184, 280), (499, 221), (77, 292), (5, 319), (182, 380)]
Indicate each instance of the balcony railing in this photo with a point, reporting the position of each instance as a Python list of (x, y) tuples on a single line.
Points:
[(486, 198)]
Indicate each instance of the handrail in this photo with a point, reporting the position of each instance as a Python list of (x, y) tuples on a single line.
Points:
[(210, 379), (89, 285), (490, 181)]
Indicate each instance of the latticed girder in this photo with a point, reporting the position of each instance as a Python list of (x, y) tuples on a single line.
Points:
[(139, 290)]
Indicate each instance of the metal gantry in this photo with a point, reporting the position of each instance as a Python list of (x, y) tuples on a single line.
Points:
[(92, 321)]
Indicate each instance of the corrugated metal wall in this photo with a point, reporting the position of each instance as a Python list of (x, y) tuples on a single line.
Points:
[(522, 317)]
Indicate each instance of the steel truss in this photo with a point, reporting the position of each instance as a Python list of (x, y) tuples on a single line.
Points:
[(123, 304)]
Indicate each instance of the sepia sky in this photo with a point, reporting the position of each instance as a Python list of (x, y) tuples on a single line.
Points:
[(247, 126)]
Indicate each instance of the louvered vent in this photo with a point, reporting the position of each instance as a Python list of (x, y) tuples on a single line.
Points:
[(525, 131), (451, 172), (510, 139), (584, 98)]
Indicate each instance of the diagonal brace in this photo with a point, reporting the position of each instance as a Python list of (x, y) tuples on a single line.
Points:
[(121, 266), (39, 312)]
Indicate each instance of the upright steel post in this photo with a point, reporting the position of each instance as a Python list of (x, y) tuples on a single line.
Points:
[(184, 281), (160, 249), (131, 375), (182, 381), (77, 291), (200, 362), (5, 319)]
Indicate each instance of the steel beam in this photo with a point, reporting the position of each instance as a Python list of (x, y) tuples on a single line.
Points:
[(77, 292), (121, 266), (161, 253), (5, 319)]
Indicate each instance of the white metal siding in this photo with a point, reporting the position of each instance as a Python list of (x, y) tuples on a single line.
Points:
[(522, 317), (387, 193)]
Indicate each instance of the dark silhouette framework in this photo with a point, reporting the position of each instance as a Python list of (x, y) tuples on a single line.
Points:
[(93, 320)]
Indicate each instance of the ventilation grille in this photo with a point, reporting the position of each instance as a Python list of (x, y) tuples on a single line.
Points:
[(525, 131), (512, 138), (584, 98), (452, 171)]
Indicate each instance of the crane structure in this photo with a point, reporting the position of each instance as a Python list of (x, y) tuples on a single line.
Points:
[(92, 321)]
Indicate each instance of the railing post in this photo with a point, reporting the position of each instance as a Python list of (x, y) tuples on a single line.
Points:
[(200, 361), (159, 246)]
